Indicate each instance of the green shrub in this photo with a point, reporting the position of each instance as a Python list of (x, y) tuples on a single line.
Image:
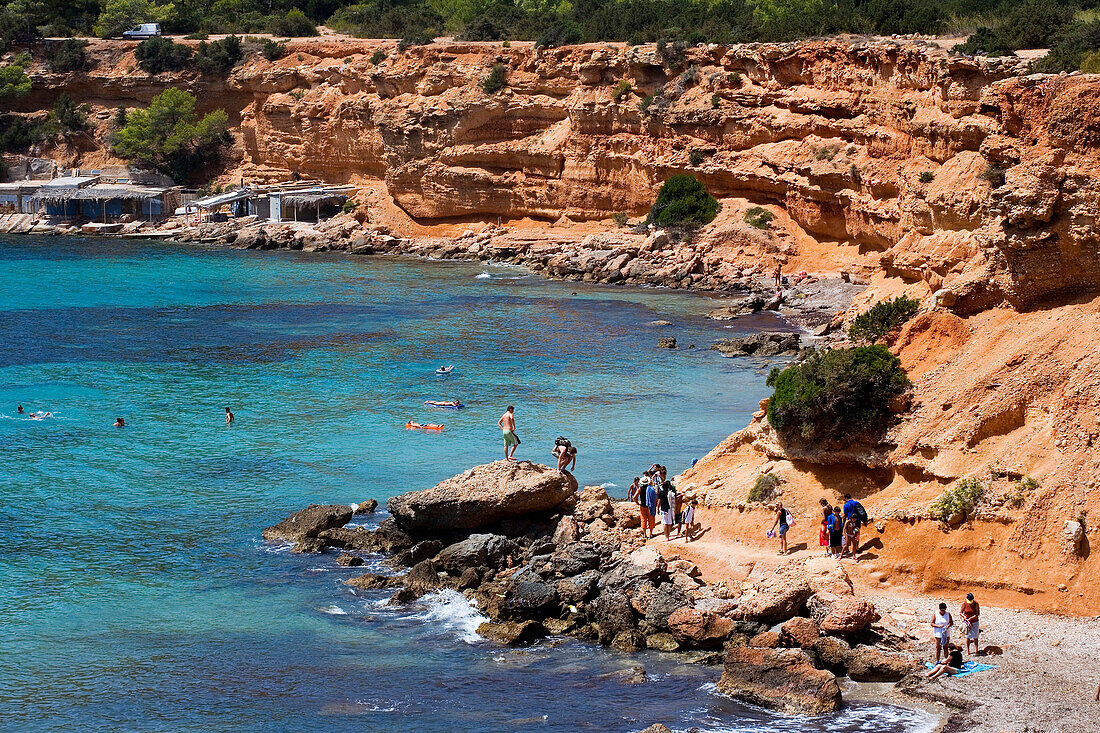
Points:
[(856, 176), (198, 36), (496, 80), (294, 24), (14, 81), (927, 176), (377, 57), (170, 137), (735, 79), (671, 53), (18, 133), (558, 34), (67, 56), (959, 500), (349, 206), (759, 217), (683, 201), (67, 117), (994, 175), (619, 218), (715, 100), (765, 486), (271, 50), (882, 318), (836, 397), (218, 57), (160, 54), (647, 102), (408, 42), (622, 89), (826, 153), (696, 157)]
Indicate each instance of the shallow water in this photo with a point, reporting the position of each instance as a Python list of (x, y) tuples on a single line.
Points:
[(138, 596)]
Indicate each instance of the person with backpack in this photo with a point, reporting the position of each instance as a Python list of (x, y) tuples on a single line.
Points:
[(853, 508), (666, 497), (565, 453), (783, 520)]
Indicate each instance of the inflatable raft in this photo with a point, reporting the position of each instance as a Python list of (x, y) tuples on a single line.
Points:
[(410, 425)]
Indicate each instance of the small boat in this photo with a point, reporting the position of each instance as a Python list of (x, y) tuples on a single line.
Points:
[(410, 425), (445, 369), (446, 405)]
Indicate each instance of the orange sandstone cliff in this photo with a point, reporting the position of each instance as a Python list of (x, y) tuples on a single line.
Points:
[(895, 163)]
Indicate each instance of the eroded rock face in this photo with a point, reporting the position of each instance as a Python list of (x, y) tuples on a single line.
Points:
[(482, 496), (779, 679)]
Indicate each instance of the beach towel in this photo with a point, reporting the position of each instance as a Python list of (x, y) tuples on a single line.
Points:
[(967, 668)]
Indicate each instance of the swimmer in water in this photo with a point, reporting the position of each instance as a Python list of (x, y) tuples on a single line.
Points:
[(119, 422), (228, 416), (20, 409)]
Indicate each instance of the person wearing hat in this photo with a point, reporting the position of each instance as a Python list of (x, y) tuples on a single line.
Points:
[(970, 613)]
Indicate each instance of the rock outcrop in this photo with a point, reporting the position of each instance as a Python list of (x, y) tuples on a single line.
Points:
[(780, 679), (483, 496), (309, 522)]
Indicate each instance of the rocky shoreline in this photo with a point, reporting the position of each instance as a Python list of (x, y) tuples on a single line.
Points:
[(617, 256), (539, 558)]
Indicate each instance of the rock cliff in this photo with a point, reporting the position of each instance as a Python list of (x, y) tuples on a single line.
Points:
[(906, 169)]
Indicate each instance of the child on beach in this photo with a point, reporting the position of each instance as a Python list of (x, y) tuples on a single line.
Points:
[(667, 497), (851, 535)]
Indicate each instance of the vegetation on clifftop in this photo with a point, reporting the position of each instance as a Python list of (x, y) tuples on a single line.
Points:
[(1002, 27), (882, 318), (837, 397)]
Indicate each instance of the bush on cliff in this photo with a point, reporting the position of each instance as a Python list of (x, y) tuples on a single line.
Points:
[(836, 397), (170, 136), (67, 56), (218, 57), (683, 201), (958, 501), (496, 79), (882, 318), (14, 81), (294, 24), (160, 54)]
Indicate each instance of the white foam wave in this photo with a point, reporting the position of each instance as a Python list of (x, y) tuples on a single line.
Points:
[(334, 610), (608, 485), (375, 707), (452, 611), (483, 276)]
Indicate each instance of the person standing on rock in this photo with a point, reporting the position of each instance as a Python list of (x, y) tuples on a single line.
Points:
[(667, 498), (970, 613), (941, 630), (634, 494), (783, 521), (651, 490), (507, 423)]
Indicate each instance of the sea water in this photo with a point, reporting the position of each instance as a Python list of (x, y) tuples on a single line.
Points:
[(137, 594)]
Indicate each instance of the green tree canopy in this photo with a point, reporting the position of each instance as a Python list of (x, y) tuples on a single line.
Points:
[(683, 201), (117, 16), (14, 81), (169, 135)]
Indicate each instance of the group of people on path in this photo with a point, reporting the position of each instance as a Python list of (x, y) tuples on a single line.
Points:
[(840, 527), (952, 654), (657, 498)]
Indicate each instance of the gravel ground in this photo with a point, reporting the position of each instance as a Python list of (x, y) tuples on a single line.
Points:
[(1045, 680)]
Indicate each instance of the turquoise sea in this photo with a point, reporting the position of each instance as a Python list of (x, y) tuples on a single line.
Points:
[(137, 594)]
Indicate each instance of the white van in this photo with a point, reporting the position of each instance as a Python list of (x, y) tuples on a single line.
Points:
[(145, 30)]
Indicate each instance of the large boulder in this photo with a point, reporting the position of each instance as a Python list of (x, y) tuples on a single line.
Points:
[(779, 679), (871, 664), (576, 558), (848, 615), (309, 522), (696, 628), (512, 633), (592, 503), (475, 551), (778, 596), (800, 631), (482, 496), (665, 601)]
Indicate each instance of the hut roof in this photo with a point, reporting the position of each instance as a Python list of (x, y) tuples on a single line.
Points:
[(99, 192)]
